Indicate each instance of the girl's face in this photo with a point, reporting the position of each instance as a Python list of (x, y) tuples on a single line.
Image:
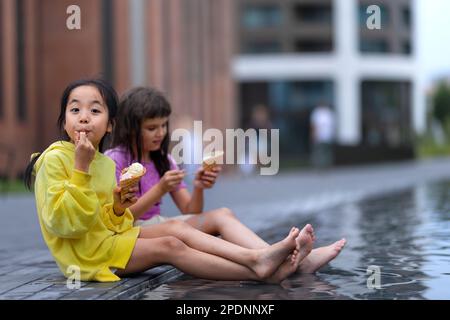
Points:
[(86, 111), (153, 132)]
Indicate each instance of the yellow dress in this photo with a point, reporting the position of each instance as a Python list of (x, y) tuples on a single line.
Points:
[(76, 214)]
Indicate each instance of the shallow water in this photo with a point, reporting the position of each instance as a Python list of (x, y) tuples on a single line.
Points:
[(405, 234)]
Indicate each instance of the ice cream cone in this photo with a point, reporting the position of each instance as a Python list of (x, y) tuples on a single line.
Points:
[(126, 184), (210, 161)]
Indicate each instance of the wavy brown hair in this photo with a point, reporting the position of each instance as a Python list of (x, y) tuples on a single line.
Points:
[(135, 106)]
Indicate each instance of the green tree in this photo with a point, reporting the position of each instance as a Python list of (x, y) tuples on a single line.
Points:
[(441, 105)]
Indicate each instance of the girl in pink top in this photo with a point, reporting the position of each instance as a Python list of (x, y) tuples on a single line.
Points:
[(141, 135)]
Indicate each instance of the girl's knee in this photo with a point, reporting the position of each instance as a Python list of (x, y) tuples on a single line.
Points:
[(219, 218), (172, 244), (176, 225), (226, 212)]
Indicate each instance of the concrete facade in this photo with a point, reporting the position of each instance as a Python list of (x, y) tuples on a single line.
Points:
[(345, 64)]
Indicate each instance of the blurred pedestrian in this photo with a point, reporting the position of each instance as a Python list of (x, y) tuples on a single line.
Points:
[(260, 119), (322, 126)]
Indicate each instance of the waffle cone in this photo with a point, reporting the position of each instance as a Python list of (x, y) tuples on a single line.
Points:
[(126, 184), (209, 167), (211, 162)]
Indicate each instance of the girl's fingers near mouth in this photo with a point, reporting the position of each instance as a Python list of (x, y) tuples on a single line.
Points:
[(77, 137), (83, 138)]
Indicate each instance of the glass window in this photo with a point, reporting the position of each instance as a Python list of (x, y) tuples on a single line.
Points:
[(254, 17), (386, 112), (308, 94), (262, 46), (313, 45), (393, 38), (313, 13), (290, 104), (374, 45), (406, 47), (406, 17)]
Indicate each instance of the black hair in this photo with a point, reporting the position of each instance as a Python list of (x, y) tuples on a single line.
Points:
[(110, 98), (135, 106)]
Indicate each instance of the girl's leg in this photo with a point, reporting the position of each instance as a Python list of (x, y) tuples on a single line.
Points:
[(149, 253), (320, 257), (224, 223), (262, 261)]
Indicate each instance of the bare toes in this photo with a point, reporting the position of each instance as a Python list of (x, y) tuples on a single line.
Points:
[(295, 232), (342, 243)]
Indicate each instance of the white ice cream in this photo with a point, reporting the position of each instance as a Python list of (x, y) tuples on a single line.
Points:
[(213, 158), (134, 170)]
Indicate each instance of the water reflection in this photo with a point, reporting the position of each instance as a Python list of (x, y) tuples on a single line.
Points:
[(405, 233), (388, 226), (297, 288), (433, 201)]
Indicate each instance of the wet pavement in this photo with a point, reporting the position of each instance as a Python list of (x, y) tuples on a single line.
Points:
[(394, 216), (404, 235)]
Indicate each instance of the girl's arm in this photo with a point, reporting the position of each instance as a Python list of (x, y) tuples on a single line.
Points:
[(187, 203), (119, 217), (167, 183), (70, 205)]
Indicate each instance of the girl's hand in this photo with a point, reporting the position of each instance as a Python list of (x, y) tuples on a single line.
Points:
[(130, 198), (206, 179), (84, 152), (171, 180)]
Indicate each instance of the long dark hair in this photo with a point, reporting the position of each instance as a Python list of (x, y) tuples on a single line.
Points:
[(110, 98), (135, 106)]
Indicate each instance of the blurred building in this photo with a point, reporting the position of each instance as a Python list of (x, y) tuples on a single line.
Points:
[(217, 60), (182, 47), (295, 54)]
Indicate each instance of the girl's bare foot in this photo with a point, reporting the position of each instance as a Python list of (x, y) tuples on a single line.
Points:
[(269, 259), (305, 241), (320, 257), (304, 247), (288, 267)]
